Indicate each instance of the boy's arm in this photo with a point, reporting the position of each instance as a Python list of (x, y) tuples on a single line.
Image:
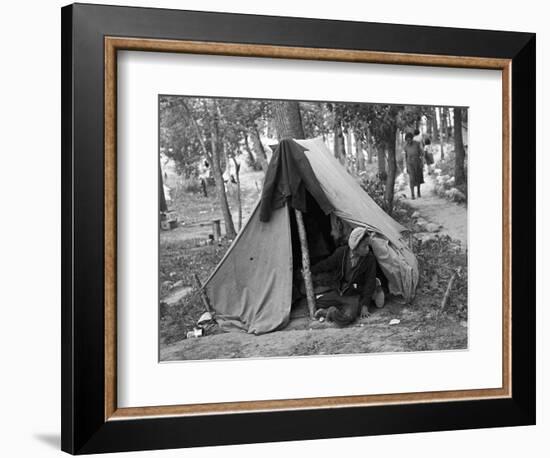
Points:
[(329, 263), (369, 276)]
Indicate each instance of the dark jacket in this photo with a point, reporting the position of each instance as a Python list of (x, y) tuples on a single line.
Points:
[(363, 275), (287, 179)]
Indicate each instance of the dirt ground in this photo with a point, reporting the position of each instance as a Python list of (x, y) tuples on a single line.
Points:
[(421, 328)]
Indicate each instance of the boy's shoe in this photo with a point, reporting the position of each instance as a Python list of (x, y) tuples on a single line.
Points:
[(379, 297)]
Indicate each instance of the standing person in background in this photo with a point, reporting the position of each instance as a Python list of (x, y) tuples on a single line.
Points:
[(428, 155), (413, 155), (418, 137)]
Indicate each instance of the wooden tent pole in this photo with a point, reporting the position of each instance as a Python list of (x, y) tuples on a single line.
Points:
[(306, 272)]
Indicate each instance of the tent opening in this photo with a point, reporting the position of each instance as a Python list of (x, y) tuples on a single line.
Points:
[(325, 233), (318, 230)]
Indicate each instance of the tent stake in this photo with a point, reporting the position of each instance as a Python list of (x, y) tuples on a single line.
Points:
[(448, 290), (306, 272), (203, 295)]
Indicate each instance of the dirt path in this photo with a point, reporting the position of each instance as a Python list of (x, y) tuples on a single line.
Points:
[(451, 216), (418, 330)]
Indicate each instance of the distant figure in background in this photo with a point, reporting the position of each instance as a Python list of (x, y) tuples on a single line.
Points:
[(428, 155), (418, 137), (415, 165)]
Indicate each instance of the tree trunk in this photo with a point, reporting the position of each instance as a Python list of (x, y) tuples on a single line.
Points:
[(381, 154), (368, 144), (390, 180), (360, 156), (220, 187), (434, 127), (442, 130), (349, 149), (288, 120), (251, 158), (162, 197), (339, 146), (203, 187), (450, 130), (460, 175), (258, 147), (238, 180)]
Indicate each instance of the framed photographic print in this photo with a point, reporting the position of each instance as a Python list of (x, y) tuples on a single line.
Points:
[(281, 228)]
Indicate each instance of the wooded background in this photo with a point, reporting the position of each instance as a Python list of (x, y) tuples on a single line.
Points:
[(217, 134)]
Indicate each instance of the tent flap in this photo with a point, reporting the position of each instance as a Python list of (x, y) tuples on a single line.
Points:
[(252, 286)]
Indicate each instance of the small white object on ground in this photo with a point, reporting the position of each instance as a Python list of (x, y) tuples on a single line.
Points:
[(394, 321), (196, 332), (432, 227), (178, 284), (206, 316)]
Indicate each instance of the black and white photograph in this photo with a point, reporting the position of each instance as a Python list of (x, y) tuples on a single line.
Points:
[(305, 228), (275, 229)]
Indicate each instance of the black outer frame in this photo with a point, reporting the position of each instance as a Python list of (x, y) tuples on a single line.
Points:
[(84, 429)]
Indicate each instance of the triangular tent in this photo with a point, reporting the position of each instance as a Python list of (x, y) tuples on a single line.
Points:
[(251, 288)]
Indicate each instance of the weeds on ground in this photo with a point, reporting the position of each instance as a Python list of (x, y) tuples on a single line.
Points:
[(439, 257), (375, 189), (438, 260), (178, 263)]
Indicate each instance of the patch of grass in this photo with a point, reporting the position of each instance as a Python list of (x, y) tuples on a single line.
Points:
[(438, 259), (179, 262)]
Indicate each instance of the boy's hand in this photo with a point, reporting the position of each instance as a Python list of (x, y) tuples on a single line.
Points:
[(371, 237)]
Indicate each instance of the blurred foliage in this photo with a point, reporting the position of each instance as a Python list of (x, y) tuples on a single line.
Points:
[(444, 179), (374, 188)]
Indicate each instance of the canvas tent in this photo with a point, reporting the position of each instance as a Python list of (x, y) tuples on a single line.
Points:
[(251, 288)]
